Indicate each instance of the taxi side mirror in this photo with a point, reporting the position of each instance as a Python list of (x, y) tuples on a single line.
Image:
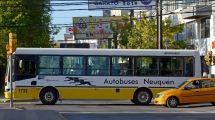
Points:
[(186, 88)]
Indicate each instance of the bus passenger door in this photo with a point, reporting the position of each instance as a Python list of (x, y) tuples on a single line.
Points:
[(25, 77)]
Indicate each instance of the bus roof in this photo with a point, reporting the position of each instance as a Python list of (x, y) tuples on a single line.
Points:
[(124, 52)]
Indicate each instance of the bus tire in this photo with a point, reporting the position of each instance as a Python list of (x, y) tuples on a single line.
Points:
[(142, 96), (49, 96), (132, 100), (172, 102)]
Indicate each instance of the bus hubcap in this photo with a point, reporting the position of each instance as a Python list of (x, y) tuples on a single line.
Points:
[(49, 96), (143, 97)]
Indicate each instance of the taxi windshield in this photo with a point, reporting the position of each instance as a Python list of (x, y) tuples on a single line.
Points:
[(181, 84)]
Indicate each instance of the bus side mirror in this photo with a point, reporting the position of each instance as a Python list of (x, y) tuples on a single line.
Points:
[(20, 64)]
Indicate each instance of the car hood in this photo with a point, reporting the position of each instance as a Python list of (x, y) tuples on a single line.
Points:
[(169, 91)]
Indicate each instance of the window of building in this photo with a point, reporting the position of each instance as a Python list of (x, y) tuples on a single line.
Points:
[(205, 28), (190, 31)]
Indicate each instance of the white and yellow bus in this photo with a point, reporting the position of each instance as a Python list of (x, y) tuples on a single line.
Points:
[(50, 74)]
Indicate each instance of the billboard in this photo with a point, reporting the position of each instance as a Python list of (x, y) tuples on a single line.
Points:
[(121, 4), (93, 27)]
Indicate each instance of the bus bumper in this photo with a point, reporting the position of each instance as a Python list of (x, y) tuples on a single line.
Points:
[(7, 95)]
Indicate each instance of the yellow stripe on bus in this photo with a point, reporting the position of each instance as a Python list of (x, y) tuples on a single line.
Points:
[(32, 93)]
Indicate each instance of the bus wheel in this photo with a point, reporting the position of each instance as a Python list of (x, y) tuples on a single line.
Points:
[(132, 100), (142, 97), (49, 96), (172, 102)]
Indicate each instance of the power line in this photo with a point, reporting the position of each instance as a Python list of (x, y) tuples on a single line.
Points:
[(80, 3)]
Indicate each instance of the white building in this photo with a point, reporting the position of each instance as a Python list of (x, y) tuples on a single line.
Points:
[(199, 24), (198, 17)]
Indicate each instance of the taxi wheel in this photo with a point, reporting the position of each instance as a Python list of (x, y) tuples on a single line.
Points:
[(172, 102), (213, 103)]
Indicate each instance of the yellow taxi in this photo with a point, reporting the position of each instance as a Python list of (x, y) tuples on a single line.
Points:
[(196, 90)]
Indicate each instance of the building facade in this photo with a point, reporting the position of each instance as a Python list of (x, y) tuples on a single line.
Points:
[(198, 17)]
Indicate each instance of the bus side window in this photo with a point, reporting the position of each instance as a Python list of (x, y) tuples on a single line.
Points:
[(137, 71), (189, 68), (116, 69), (89, 70), (32, 67)]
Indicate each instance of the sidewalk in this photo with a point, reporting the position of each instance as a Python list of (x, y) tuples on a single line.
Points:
[(11, 114), (2, 99)]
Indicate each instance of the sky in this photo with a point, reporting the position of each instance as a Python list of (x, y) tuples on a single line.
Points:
[(65, 17)]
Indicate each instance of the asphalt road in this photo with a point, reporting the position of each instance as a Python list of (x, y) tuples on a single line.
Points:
[(105, 110), (141, 116), (13, 114), (84, 106)]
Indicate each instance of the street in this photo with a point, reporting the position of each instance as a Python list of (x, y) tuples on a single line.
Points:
[(105, 110), (104, 106), (141, 116)]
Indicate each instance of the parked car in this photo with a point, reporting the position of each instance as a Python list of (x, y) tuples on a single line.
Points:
[(196, 90)]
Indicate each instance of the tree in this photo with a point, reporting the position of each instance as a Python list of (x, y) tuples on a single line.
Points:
[(121, 30), (143, 35), (29, 19)]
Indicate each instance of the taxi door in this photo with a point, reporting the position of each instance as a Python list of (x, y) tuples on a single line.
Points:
[(192, 95), (207, 91), (203, 93)]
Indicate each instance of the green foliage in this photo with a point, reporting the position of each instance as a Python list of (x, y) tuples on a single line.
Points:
[(29, 19), (143, 35), (122, 30)]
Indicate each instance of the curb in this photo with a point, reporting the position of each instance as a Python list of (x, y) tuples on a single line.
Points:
[(2, 100)]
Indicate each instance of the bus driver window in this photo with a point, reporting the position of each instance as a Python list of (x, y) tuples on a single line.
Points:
[(20, 68)]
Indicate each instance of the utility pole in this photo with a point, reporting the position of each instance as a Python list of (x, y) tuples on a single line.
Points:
[(131, 17), (159, 25), (109, 43), (10, 47)]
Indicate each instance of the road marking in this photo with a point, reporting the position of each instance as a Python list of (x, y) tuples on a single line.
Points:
[(127, 112)]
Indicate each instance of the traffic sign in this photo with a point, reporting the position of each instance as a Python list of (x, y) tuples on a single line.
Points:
[(69, 29)]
